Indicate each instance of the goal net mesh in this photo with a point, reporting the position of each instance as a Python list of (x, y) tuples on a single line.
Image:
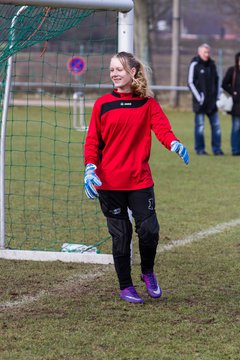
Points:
[(51, 99)]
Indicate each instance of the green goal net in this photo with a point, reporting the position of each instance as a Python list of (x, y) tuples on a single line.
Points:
[(60, 66)]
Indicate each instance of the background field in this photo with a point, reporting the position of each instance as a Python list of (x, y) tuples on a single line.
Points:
[(72, 311)]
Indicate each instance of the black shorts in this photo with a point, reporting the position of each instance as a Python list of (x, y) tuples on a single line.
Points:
[(115, 204)]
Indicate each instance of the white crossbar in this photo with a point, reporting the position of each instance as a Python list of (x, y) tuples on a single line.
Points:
[(121, 5)]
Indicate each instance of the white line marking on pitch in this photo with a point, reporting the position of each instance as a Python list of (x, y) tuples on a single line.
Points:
[(25, 300), (199, 235), (162, 248)]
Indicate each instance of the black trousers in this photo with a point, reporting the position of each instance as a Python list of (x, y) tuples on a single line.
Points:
[(115, 205)]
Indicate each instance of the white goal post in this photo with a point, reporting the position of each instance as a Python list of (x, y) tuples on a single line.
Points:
[(125, 43)]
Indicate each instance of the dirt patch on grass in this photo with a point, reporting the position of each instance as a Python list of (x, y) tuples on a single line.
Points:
[(73, 286)]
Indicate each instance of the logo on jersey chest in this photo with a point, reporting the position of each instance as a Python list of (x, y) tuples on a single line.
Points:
[(120, 104), (126, 104)]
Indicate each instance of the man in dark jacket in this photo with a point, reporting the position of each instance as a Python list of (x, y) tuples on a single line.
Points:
[(203, 82), (231, 84)]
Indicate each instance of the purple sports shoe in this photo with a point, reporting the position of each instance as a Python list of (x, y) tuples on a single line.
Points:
[(130, 295), (152, 285)]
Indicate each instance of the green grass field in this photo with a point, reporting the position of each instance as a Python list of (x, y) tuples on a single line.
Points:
[(73, 312)]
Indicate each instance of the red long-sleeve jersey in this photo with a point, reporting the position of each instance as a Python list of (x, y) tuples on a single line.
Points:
[(119, 139)]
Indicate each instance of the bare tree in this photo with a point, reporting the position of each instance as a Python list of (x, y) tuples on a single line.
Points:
[(231, 11), (141, 29), (147, 15), (175, 52), (229, 7)]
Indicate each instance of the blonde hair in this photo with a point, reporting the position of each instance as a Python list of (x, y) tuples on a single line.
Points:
[(140, 84)]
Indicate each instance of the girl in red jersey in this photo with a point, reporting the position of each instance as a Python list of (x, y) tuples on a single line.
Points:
[(117, 152)]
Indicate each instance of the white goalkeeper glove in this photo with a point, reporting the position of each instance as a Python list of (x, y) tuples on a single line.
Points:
[(202, 98), (91, 179), (181, 150)]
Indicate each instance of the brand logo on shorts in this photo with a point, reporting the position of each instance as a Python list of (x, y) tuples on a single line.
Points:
[(116, 211), (150, 204)]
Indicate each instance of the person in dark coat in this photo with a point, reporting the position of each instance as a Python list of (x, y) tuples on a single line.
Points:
[(203, 82), (231, 84)]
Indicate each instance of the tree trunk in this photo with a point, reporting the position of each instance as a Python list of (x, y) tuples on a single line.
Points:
[(175, 52), (141, 30)]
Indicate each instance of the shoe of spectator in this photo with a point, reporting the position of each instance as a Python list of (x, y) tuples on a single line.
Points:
[(219, 153), (203, 152)]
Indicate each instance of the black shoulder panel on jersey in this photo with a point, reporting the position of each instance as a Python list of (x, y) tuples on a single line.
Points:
[(122, 104)]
